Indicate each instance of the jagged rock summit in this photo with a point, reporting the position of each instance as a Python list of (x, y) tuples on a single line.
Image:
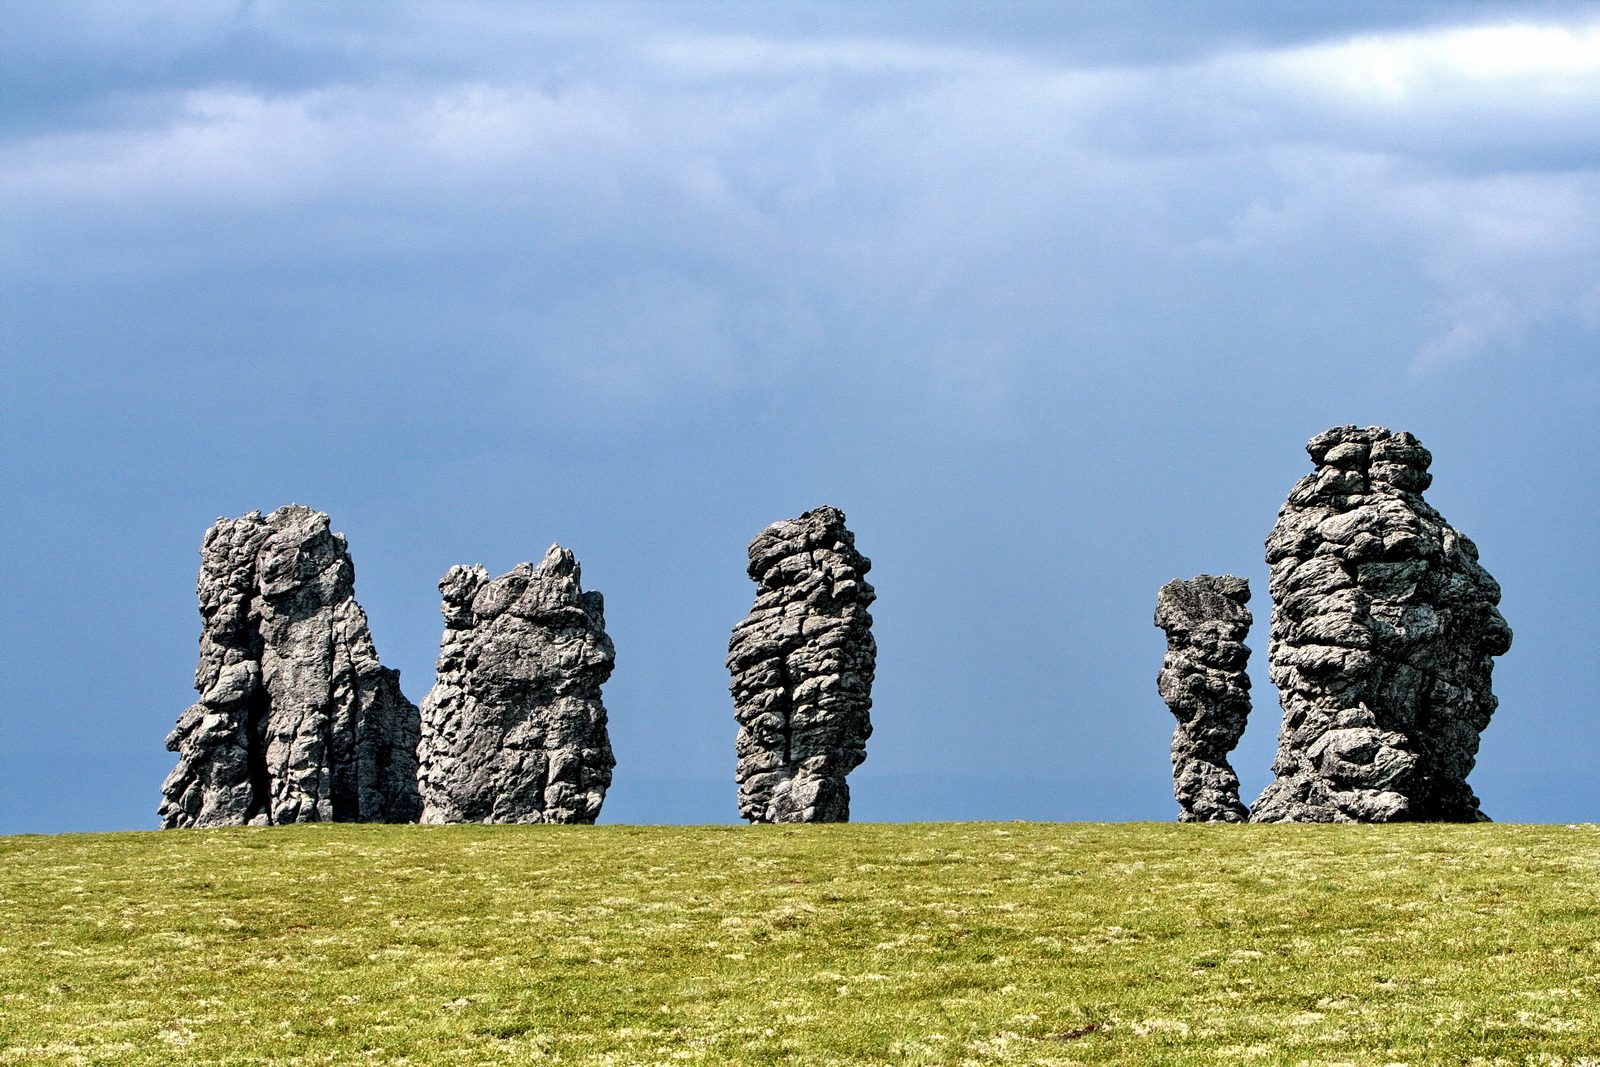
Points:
[(1204, 683), (297, 720), (802, 665), (514, 730), (1384, 629)]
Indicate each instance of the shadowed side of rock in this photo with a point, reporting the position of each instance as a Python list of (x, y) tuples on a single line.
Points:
[(297, 720), (514, 730), (1204, 683), (802, 665), (1384, 629)]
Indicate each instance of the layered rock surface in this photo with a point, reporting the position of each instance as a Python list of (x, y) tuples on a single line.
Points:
[(297, 720), (802, 665), (514, 730), (1384, 629), (1204, 683)]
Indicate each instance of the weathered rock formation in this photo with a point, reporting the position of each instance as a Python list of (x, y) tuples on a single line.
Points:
[(1384, 629), (802, 664), (297, 720), (514, 731), (1203, 681)]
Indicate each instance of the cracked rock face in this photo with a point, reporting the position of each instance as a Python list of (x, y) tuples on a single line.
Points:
[(802, 665), (1384, 629), (1204, 683), (513, 730), (297, 720)]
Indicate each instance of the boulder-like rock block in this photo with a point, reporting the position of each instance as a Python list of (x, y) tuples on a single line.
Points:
[(1384, 629), (297, 720), (513, 730), (1204, 683), (802, 665)]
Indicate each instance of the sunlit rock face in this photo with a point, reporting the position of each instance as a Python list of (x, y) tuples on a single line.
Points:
[(802, 665), (514, 730), (1384, 629), (1204, 683), (297, 720)]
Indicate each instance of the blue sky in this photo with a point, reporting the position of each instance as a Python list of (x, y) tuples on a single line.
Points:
[(1048, 298)]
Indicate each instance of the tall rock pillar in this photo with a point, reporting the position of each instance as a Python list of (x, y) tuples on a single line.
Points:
[(513, 730), (802, 665), (1203, 681), (297, 720), (1384, 629)]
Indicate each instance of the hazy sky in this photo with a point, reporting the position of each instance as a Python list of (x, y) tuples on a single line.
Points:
[(1046, 297)]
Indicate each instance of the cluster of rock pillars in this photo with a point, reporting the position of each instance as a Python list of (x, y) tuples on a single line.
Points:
[(1384, 629)]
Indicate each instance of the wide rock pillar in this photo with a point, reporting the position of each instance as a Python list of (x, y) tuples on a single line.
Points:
[(514, 730), (1384, 633), (297, 720)]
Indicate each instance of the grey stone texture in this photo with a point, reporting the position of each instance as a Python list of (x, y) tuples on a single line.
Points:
[(514, 730), (1204, 683), (297, 720), (1384, 629), (802, 665)]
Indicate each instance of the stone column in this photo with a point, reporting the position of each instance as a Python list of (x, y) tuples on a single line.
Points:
[(1204, 683), (1384, 629), (514, 730), (802, 665), (297, 720)]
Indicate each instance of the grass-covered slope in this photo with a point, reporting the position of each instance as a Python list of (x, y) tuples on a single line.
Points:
[(986, 943)]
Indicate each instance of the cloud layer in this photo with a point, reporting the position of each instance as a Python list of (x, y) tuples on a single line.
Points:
[(681, 160)]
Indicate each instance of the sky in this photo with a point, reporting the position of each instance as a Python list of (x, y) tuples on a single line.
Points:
[(1046, 297)]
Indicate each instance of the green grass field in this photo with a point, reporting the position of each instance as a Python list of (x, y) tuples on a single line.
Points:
[(973, 943)]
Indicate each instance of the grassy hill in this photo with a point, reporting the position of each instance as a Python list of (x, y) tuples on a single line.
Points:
[(976, 943)]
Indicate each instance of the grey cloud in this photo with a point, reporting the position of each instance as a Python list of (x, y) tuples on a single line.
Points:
[(674, 176), (81, 64)]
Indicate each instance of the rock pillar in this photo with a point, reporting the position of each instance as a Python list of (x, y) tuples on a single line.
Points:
[(802, 665), (514, 730), (297, 720), (1204, 683), (1384, 629)]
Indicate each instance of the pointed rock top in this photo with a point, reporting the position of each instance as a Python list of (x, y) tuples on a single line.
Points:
[(559, 562)]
